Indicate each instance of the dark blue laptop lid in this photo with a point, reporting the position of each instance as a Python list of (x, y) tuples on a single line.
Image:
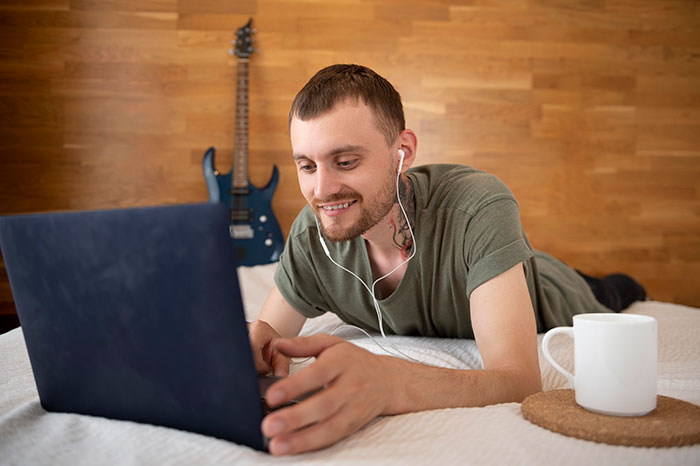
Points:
[(136, 314)]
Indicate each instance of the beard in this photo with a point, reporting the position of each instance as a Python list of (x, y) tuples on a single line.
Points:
[(370, 215)]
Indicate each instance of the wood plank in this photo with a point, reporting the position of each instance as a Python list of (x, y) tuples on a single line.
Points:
[(589, 110)]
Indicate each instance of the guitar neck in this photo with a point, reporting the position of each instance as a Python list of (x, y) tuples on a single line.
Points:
[(240, 146)]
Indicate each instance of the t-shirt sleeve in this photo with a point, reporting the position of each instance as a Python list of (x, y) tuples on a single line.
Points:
[(296, 280), (494, 242)]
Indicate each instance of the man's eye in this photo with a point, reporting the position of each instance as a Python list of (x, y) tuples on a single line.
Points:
[(346, 163), (306, 168)]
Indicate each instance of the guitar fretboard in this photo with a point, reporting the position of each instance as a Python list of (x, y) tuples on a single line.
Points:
[(240, 142)]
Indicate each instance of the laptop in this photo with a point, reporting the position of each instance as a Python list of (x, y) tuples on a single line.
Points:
[(136, 314)]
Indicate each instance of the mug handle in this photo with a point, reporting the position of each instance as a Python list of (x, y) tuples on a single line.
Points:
[(545, 350)]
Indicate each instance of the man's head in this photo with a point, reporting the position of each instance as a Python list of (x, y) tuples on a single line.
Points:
[(338, 83), (346, 127)]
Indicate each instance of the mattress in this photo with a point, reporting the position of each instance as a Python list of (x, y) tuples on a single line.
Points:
[(495, 434)]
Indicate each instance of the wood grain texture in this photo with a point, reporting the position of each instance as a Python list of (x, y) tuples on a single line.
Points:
[(588, 109)]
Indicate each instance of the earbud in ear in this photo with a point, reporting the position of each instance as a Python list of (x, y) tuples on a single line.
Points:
[(402, 154)]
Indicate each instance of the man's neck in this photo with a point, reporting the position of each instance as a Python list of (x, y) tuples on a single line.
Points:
[(390, 239)]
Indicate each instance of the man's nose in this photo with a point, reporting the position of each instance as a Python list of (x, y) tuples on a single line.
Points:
[(327, 183)]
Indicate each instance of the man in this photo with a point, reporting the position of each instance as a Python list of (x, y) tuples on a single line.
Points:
[(474, 274)]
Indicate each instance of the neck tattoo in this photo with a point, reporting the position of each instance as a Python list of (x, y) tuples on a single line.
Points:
[(401, 234)]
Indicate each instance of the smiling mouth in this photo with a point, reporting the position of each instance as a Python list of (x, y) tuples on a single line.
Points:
[(345, 205)]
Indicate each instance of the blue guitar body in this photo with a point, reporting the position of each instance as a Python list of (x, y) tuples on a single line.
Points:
[(256, 235)]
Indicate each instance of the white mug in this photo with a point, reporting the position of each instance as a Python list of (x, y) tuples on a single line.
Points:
[(615, 359)]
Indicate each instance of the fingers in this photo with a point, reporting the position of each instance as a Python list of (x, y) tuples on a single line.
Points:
[(312, 410), (261, 365), (311, 378), (265, 357), (271, 352), (334, 428), (280, 364), (306, 346)]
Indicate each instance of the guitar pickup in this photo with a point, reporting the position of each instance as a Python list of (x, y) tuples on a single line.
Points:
[(239, 191), (241, 232), (241, 215)]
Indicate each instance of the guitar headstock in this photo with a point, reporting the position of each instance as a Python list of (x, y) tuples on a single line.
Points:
[(243, 44)]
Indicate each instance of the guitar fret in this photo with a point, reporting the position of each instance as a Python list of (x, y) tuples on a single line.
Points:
[(240, 154)]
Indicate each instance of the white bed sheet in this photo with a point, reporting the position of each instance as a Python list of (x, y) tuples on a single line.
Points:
[(491, 435)]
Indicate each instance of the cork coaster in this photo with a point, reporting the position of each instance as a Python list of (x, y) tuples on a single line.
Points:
[(673, 423)]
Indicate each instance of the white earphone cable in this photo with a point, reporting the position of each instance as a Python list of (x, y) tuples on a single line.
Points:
[(371, 290)]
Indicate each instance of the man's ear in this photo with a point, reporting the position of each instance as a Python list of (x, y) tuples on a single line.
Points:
[(408, 144)]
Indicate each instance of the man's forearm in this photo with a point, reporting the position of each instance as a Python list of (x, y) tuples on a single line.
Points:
[(280, 315), (420, 387)]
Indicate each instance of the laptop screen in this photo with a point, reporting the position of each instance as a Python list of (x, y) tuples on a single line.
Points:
[(136, 314)]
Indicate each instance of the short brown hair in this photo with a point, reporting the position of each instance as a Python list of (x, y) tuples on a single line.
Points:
[(337, 83)]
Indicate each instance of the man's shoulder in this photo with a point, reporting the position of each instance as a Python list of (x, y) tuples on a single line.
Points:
[(457, 186), (304, 223)]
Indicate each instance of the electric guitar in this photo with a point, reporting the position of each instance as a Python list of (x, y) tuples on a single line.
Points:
[(256, 235)]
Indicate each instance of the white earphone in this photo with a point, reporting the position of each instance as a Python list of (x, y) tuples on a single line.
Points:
[(414, 248)]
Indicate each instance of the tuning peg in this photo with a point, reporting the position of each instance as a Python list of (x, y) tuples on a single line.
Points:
[(230, 51), (255, 31)]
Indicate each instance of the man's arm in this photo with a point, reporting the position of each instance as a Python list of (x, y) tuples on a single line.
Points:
[(360, 385), (277, 318), (277, 312), (506, 334)]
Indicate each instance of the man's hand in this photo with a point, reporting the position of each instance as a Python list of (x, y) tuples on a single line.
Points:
[(357, 386), (277, 318), (262, 337)]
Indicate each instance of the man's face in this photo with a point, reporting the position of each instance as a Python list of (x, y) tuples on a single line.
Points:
[(345, 169)]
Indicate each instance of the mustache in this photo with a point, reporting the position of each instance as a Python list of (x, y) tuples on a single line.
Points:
[(340, 196)]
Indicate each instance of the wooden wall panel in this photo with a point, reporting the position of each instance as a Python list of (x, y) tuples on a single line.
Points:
[(589, 110)]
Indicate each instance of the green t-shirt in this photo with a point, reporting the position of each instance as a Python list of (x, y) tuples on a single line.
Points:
[(467, 231)]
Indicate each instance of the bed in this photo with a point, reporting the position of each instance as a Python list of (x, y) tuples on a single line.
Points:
[(492, 435)]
